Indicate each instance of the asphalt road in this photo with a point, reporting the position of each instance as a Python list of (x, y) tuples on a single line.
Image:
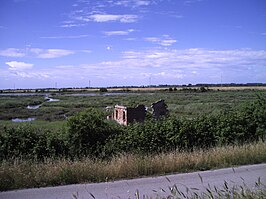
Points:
[(151, 186)]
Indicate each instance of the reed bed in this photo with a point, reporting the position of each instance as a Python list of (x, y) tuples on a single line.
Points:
[(17, 173)]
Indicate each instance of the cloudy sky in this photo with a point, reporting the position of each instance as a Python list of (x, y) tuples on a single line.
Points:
[(79, 43)]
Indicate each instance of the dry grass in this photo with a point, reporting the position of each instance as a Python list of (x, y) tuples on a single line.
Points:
[(239, 88), (23, 174)]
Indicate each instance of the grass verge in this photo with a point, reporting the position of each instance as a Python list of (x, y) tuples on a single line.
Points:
[(225, 192), (16, 174)]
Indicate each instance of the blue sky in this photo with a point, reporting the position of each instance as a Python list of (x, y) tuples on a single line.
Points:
[(77, 43)]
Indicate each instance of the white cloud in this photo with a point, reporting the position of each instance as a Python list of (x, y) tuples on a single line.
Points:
[(12, 52), (111, 17), (130, 39), (85, 51), (99, 11), (118, 32), (50, 53), (19, 66), (71, 24), (36, 52), (162, 65), (132, 3), (197, 58), (37, 75), (165, 40), (66, 37), (142, 3), (188, 2)]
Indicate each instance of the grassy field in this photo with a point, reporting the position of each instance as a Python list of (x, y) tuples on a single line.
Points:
[(15, 174), (187, 104), (23, 173)]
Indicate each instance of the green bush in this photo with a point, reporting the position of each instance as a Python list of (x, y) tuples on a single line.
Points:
[(242, 126), (26, 141), (23, 141), (87, 133)]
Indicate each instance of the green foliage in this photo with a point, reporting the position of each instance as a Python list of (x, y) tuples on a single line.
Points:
[(22, 141), (245, 125), (87, 132), (30, 142)]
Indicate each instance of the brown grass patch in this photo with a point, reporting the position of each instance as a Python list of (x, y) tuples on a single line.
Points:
[(16, 174)]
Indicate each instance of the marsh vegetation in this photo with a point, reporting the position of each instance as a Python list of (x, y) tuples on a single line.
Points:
[(204, 130)]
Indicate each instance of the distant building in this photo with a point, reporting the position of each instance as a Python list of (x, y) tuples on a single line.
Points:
[(125, 115)]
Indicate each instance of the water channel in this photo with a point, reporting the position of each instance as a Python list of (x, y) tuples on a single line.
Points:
[(33, 107), (49, 99)]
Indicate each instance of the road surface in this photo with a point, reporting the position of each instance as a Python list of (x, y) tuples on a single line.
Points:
[(151, 186)]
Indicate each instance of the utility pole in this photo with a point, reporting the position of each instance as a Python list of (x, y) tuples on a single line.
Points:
[(221, 79)]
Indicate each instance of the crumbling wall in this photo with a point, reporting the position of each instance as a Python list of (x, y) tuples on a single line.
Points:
[(120, 114), (159, 109), (136, 114), (126, 115)]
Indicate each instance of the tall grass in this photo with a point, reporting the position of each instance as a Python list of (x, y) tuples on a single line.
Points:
[(211, 192), (16, 173)]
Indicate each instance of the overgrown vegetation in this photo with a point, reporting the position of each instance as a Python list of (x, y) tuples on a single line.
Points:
[(18, 173), (89, 134), (184, 104), (89, 144), (227, 191)]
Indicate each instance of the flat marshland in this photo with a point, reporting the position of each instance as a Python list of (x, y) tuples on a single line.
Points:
[(70, 141), (187, 103)]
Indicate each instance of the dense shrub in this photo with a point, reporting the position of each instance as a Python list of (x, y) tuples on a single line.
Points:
[(244, 125), (22, 141), (89, 134)]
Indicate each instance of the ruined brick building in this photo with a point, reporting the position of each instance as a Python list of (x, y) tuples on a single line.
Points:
[(126, 115), (159, 109)]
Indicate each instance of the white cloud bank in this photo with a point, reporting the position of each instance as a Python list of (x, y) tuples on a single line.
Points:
[(50, 53), (65, 37), (126, 18), (131, 3), (18, 66), (118, 32), (36, 52), (12, 52), (163, 66), (165, 40)]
